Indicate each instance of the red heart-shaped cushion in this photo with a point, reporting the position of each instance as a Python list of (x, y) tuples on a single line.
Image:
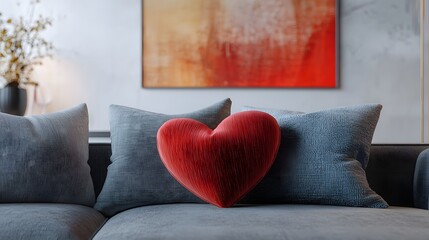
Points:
[(220, 166)]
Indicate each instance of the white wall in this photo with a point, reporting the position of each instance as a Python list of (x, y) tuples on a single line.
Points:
[(98, 61)]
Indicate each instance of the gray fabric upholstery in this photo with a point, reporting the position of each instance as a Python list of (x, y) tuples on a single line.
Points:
[(137, 177), (390, 171), (293, 222), (321, 159), (44, 158), (421, 181), (48, 221), (277, 113)]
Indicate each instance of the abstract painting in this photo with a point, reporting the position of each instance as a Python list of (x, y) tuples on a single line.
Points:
[(239, 43)]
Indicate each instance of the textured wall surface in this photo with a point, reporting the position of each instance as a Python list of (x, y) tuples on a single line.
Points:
[(99, 54)]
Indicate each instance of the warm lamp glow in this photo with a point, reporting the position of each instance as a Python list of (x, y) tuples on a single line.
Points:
[(60, 85)]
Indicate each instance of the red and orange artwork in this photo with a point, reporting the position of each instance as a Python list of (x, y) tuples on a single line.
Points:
[(239, 43)]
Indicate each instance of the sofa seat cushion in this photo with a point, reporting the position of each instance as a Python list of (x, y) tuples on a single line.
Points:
[(48, 221), (203, 221)]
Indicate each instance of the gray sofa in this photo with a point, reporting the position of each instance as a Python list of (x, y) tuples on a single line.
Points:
[(396, 172)]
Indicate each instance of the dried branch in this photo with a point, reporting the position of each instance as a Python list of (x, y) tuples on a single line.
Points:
[(22, 46)]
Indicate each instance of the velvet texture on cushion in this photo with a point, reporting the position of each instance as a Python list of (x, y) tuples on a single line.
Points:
[(271, 222), (44, 158), (220, 166), (48, 221), (321, 159), (136, 176)]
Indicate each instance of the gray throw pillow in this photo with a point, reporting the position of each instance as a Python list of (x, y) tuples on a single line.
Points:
[(276, 113), (44, 158), (137, 176), (321, 159)]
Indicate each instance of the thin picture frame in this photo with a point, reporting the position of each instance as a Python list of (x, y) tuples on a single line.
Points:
[(337, 62)]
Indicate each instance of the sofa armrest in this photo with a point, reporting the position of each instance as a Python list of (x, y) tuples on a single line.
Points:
[(421, 181)]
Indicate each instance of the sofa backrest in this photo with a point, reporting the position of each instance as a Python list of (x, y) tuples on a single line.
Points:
[(390, 170), (99, 160)]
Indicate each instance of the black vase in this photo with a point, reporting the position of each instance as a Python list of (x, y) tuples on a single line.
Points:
[(13, 99)]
